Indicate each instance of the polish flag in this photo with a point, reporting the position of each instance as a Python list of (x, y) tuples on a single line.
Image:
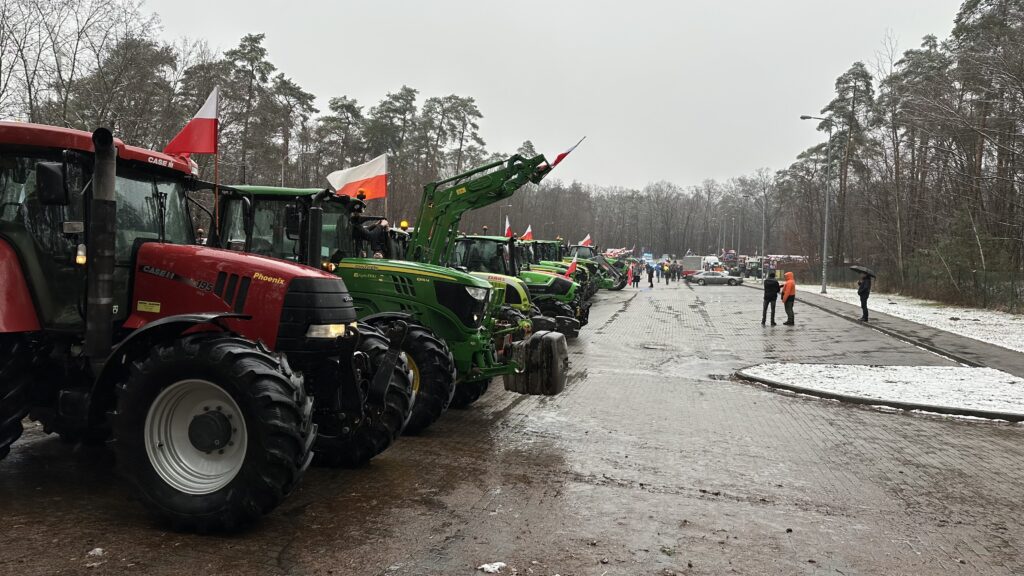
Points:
[(587, 241), (508, 228), (528, 235), (199, 136), (371, 179), (572, 268), (562, 156)]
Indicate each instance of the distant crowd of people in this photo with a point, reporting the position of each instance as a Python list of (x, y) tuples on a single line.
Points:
[(670, 271)]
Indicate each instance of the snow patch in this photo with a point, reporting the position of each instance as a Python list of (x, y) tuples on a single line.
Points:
[(946, 386), (998, 328), (492, 568)]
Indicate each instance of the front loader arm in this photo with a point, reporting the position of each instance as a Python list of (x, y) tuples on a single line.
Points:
[(444, 202)]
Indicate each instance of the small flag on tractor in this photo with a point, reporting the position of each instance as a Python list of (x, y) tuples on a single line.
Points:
[(199, 136), (370, 178), (572, 268), (528, 235), (560, 157), (508, 228), (587, 241)]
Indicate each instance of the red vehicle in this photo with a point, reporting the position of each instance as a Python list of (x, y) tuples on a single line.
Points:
[(198, 364)]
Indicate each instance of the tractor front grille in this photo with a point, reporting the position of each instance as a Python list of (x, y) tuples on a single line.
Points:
[(312, 301)]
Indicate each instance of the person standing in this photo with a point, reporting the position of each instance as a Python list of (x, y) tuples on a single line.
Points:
[(789, 298), (864, 290), (771, 294), (657, 271), (650, 274)]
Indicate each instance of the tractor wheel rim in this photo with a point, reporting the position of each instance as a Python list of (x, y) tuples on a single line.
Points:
[(414, 375), (180, 413)]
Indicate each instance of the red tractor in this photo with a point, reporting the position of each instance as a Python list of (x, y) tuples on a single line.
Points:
[(198, 365)]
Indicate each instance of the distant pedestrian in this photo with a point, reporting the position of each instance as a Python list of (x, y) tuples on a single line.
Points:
[(864, 290), (657, 271), (771, 294), (789, 298), (650, 274)]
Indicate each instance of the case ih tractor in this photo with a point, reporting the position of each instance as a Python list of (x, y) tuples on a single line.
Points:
[(199, 365)]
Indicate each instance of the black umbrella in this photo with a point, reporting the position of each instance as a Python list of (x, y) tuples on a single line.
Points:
[(862, 270)]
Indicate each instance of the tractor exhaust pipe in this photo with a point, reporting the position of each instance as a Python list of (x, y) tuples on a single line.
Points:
[(99, 315)]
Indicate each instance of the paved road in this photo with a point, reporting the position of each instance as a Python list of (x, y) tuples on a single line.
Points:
[(651, 462)]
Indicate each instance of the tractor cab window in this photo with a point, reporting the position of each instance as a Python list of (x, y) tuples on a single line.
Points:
[(338, 237), (482, 256), (146, 207), (583, 252)]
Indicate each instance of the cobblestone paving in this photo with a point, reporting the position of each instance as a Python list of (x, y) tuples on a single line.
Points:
[(652, 462)]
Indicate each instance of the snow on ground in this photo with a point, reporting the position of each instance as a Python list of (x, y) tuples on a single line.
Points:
[(999, 328), (948, 386)]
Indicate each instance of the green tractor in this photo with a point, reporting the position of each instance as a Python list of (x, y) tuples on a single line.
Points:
[(546, 256), (608, 276), (456, 341), (550, 294)]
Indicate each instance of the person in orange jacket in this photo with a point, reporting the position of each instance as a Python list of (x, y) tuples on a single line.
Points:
[(788, 298)]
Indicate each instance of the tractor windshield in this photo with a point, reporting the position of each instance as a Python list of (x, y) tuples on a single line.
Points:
[(583, 251), (269, 236), (546, 251), (480, 255)]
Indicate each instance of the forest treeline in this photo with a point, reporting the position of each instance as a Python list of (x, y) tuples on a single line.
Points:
[(923, 149)]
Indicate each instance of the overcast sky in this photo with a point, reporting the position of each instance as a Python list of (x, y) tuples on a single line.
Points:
[(678, 90)]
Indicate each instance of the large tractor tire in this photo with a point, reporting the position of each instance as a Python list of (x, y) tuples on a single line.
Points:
[(212, 430), (352, 440), (620, 284), (467, 393), (15, 380), (555, 308), (432, 371)]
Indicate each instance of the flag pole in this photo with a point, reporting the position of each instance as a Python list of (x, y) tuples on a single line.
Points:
[(216, 189)]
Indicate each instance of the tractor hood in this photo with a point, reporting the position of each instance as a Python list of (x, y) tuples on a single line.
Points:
[(516, 292), (428, 272)]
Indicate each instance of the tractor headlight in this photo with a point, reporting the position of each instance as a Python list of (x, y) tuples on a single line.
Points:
[(468, 303), (330, 331), (478, 294)]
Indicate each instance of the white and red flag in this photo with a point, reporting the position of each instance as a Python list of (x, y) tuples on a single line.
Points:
[(572, 268), (508, 228), (370, 178), (562, 155), (528, 235), (587, 241), (199, 136)]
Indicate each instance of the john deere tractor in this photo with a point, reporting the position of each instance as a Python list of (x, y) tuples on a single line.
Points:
[(199, 365), (436, 235), (608, 277)]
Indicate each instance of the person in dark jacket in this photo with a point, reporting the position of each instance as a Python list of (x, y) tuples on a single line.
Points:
[(864, 290), (650, 274), (771, 294), (375, 234)]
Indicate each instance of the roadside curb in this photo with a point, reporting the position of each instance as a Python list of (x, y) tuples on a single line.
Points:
[(893, 333), (948, 410)]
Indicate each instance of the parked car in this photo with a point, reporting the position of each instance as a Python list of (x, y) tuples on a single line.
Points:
[(704, 278)]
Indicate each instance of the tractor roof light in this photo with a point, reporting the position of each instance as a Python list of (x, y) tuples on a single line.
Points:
[(80, 255)]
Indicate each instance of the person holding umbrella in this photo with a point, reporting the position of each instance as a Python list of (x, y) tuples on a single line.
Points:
[(863, 289)]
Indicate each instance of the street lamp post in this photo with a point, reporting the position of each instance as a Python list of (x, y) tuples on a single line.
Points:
[(501, 223), (828, 195)]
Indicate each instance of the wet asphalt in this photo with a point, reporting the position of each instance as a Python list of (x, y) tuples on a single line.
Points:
[(653, 461)]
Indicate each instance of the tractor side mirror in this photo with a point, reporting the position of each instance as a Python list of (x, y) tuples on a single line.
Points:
[(51, 186), (292, 222)]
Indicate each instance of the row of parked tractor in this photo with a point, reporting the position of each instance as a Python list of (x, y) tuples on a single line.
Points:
[(218, 372)]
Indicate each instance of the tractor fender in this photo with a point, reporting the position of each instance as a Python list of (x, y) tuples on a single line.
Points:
[(137, 343), (18, 313)]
